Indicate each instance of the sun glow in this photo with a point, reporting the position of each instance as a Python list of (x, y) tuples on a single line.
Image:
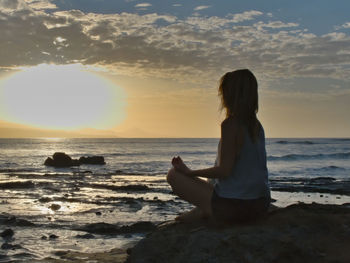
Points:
[(61, 97)]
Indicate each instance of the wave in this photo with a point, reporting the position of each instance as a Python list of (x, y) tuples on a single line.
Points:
[(167, 153), (328, 168), (297, 157), (16, 170), (295, 142)]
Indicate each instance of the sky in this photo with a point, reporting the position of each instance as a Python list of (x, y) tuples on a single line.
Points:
[(128, 68)]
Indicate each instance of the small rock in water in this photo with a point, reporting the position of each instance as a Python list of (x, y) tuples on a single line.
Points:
[(321, 195), (17, 185), (98, 213), (55, 207), (43, 237), (45, 199), (8, 246), (53, 236), (7, 233)]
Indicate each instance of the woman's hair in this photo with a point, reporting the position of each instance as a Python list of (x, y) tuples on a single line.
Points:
[(239, 97)]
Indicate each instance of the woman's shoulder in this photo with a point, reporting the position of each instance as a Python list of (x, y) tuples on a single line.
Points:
[(230, 122), (232, 125)]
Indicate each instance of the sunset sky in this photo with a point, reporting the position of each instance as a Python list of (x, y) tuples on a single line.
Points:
[(128, 68)]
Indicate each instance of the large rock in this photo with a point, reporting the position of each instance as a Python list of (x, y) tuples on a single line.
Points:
[(60, 159), (298, 233)]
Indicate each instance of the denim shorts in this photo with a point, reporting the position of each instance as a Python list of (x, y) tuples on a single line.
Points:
[(230, 210)]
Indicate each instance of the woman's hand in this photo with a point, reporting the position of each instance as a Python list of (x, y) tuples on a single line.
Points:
[(180, 166)]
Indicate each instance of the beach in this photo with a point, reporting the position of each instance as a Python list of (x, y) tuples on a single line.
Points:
[(101, 212)]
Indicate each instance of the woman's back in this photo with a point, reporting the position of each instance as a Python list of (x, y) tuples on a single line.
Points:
[(249, 177)]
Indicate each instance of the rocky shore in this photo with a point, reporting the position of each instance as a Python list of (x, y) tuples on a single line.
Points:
[(298, 233)]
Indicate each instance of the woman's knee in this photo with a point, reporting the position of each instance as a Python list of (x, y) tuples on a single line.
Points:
[(171, 176)]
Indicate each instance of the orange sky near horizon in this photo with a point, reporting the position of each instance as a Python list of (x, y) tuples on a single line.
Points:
[(180, 110)]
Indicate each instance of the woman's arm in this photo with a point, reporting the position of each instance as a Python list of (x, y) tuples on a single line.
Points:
[(229, 146)]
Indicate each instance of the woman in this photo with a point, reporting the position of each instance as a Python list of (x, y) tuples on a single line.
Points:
[(240, 191)]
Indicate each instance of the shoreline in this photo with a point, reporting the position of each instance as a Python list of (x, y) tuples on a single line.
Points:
[(98, 231), (296, 233)]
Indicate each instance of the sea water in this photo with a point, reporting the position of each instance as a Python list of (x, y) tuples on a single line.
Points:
[(63, 201)]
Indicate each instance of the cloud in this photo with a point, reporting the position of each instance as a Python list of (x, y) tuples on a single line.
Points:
[(201, 7), (275, 24), (246, 16), (143, 5), (26, 4), (40, 4), (346, 25), (196, 48)]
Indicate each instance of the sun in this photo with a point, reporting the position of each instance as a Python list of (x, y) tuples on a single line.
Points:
[(61, 97)]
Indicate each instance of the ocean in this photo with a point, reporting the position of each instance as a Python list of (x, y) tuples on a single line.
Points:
[(53, 209)]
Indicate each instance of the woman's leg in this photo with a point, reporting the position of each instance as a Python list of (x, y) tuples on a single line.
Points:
[(192, 189)]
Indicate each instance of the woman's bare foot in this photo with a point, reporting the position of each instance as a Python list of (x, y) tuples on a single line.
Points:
[(191, 216)]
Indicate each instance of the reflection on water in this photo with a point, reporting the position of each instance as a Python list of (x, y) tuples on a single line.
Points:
[(48, 208)]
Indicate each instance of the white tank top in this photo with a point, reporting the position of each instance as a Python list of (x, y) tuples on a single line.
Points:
[(249, 176)]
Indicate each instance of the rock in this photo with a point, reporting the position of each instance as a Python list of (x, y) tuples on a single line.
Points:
[(131, 187), (55, 207), (49, 162), (53, 236), (8, 246), (298, 233), (7, 233), (92, 160), (13, 221), (45, 199), (44, 238), (17, 185), (109, 229), (115, 255), (98, 213), (60, 159)]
